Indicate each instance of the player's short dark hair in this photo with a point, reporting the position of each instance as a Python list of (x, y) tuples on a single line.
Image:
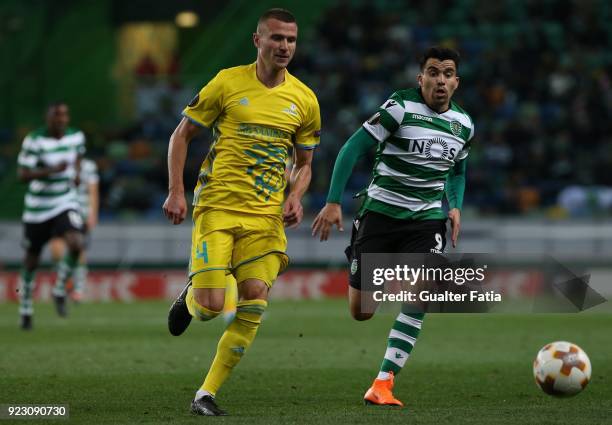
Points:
[(441, 53), (282, 15)]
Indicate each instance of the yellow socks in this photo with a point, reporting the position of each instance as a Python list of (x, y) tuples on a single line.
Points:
[(237, 338), (198, 311)]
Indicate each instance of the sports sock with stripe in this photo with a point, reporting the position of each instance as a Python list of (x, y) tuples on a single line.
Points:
[(402, 338), (26, 290), (79, 277), (234, 342), (64, 272)]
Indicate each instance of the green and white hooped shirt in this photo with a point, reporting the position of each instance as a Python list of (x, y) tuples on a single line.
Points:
[(50, 196), (416, 151)]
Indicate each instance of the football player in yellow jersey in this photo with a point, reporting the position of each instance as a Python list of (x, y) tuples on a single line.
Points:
[(258, 113)]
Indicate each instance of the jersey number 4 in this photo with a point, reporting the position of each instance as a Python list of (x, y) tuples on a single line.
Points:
[(202, 253)]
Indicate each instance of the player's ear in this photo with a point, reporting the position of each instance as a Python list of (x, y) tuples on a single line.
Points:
[(457, 86), (420, 79), (256, 40)]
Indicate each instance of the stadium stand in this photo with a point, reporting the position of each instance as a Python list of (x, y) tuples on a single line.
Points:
[(541, 140)]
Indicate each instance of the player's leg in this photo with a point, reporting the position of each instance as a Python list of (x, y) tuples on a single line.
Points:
[(68, 225), (206, 303), (36, 235), (361, 304), (365, 238), (79, 276), (57, 248), (401, 340), (203, 297), (419, 237), (26, 288), (240, 333), (258, 256), (255, 280)]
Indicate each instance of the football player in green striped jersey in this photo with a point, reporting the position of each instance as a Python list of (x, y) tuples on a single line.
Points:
[(422, 140), (49, 161)]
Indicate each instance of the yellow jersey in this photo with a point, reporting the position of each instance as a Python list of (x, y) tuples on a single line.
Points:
[(254, 127)]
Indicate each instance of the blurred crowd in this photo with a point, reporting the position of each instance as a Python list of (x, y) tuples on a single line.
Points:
[(535, 77)]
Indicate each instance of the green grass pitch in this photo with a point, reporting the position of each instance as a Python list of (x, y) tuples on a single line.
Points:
[(310, 363)]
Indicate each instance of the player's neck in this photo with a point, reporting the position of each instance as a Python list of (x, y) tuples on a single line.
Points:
[(56, 134), (440, 109), (269, 76)]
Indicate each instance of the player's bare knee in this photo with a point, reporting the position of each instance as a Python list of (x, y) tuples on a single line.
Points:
[(253, 289), (208, 301), (74, 242), (57, 247)]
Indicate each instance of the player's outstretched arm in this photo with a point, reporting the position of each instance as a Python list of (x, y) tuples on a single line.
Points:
[(175, 206), (358, 144), (299, 180)]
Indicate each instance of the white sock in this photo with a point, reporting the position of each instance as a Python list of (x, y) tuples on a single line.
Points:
[(79, 277), (383, 376), (201, 393)]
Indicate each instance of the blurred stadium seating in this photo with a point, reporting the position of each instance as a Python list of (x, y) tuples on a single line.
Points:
[(536, 77)]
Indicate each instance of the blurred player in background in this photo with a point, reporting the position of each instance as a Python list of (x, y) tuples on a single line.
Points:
[(50, 161), (422, 140), (89, 202), (258, 113)]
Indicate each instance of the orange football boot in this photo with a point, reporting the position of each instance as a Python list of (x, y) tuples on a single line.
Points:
[(380, 393)]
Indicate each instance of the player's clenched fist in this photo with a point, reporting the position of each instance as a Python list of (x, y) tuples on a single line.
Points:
[(330, 214)]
